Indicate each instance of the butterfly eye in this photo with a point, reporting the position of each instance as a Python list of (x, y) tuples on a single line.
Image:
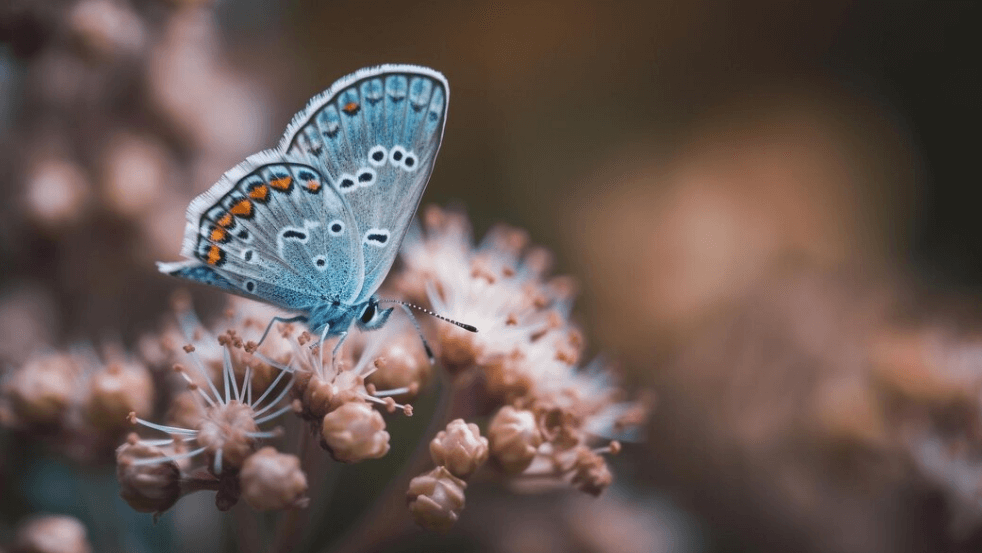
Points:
[(368, 314)]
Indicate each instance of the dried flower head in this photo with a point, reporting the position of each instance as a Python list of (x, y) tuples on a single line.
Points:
[(228, 430)]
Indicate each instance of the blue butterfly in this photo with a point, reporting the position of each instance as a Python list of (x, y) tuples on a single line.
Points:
[(313, 226)]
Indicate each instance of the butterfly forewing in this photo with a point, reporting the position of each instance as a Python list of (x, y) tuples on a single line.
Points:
[(376, 135)]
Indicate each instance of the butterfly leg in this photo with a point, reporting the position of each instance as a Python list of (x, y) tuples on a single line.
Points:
[(320, 344), (274, 320), (337, 346)]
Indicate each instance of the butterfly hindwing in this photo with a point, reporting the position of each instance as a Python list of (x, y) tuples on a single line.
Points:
[(276, 229), (376, 135)]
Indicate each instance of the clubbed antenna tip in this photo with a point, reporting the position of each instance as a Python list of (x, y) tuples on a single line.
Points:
[(465, 326)]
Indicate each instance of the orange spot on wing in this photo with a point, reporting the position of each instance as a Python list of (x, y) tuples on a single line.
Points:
[(218, 234), (282, 183), (313, 185), (242, 207), (259, 193), (225, 220), (214, 255), (350, 107)]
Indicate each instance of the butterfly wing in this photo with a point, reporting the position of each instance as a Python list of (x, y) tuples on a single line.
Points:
[(273, 229), (375, 134)]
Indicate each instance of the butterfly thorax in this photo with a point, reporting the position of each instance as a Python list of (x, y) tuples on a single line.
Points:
[(337, 317)]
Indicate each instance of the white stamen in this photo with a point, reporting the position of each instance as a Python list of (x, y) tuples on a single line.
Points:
[(286, 390), (169, 458)]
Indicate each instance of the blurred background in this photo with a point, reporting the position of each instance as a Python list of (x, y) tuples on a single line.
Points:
[(770, 208)]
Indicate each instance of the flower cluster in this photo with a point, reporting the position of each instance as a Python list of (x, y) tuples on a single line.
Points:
[(336, 395), (554, 420), (524, 404), (233, 385), (221, 424), (76, 401)]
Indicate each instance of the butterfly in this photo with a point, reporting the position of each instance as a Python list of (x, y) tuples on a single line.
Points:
[(314, 225)]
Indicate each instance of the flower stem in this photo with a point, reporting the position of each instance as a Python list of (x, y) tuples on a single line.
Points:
[(388, 518)]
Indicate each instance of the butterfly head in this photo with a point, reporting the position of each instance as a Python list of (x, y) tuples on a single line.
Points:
[(371, 316)]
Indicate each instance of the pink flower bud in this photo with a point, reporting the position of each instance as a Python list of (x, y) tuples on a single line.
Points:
[(460, 448), (355, 432), (515, 439), (436, 499), (148, 488), (273, 480)]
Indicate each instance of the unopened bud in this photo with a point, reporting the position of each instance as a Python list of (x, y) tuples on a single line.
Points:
[(515, 438), (460, 448), (355, 432), (273, 480), (148, 488), (436, 499)]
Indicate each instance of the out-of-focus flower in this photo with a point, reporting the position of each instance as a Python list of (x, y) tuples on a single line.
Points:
[(52, 534), (221, 114), (105, 28), (553, 413), (27, 319), (436, 499), (57, 192), (515, 439), (115, 391), (273, 480), (135, 170), (40, 392), (460, 448), (75, 401)]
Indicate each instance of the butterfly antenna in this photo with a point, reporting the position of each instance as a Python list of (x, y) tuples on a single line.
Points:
[(465, 326), (426, 346)]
